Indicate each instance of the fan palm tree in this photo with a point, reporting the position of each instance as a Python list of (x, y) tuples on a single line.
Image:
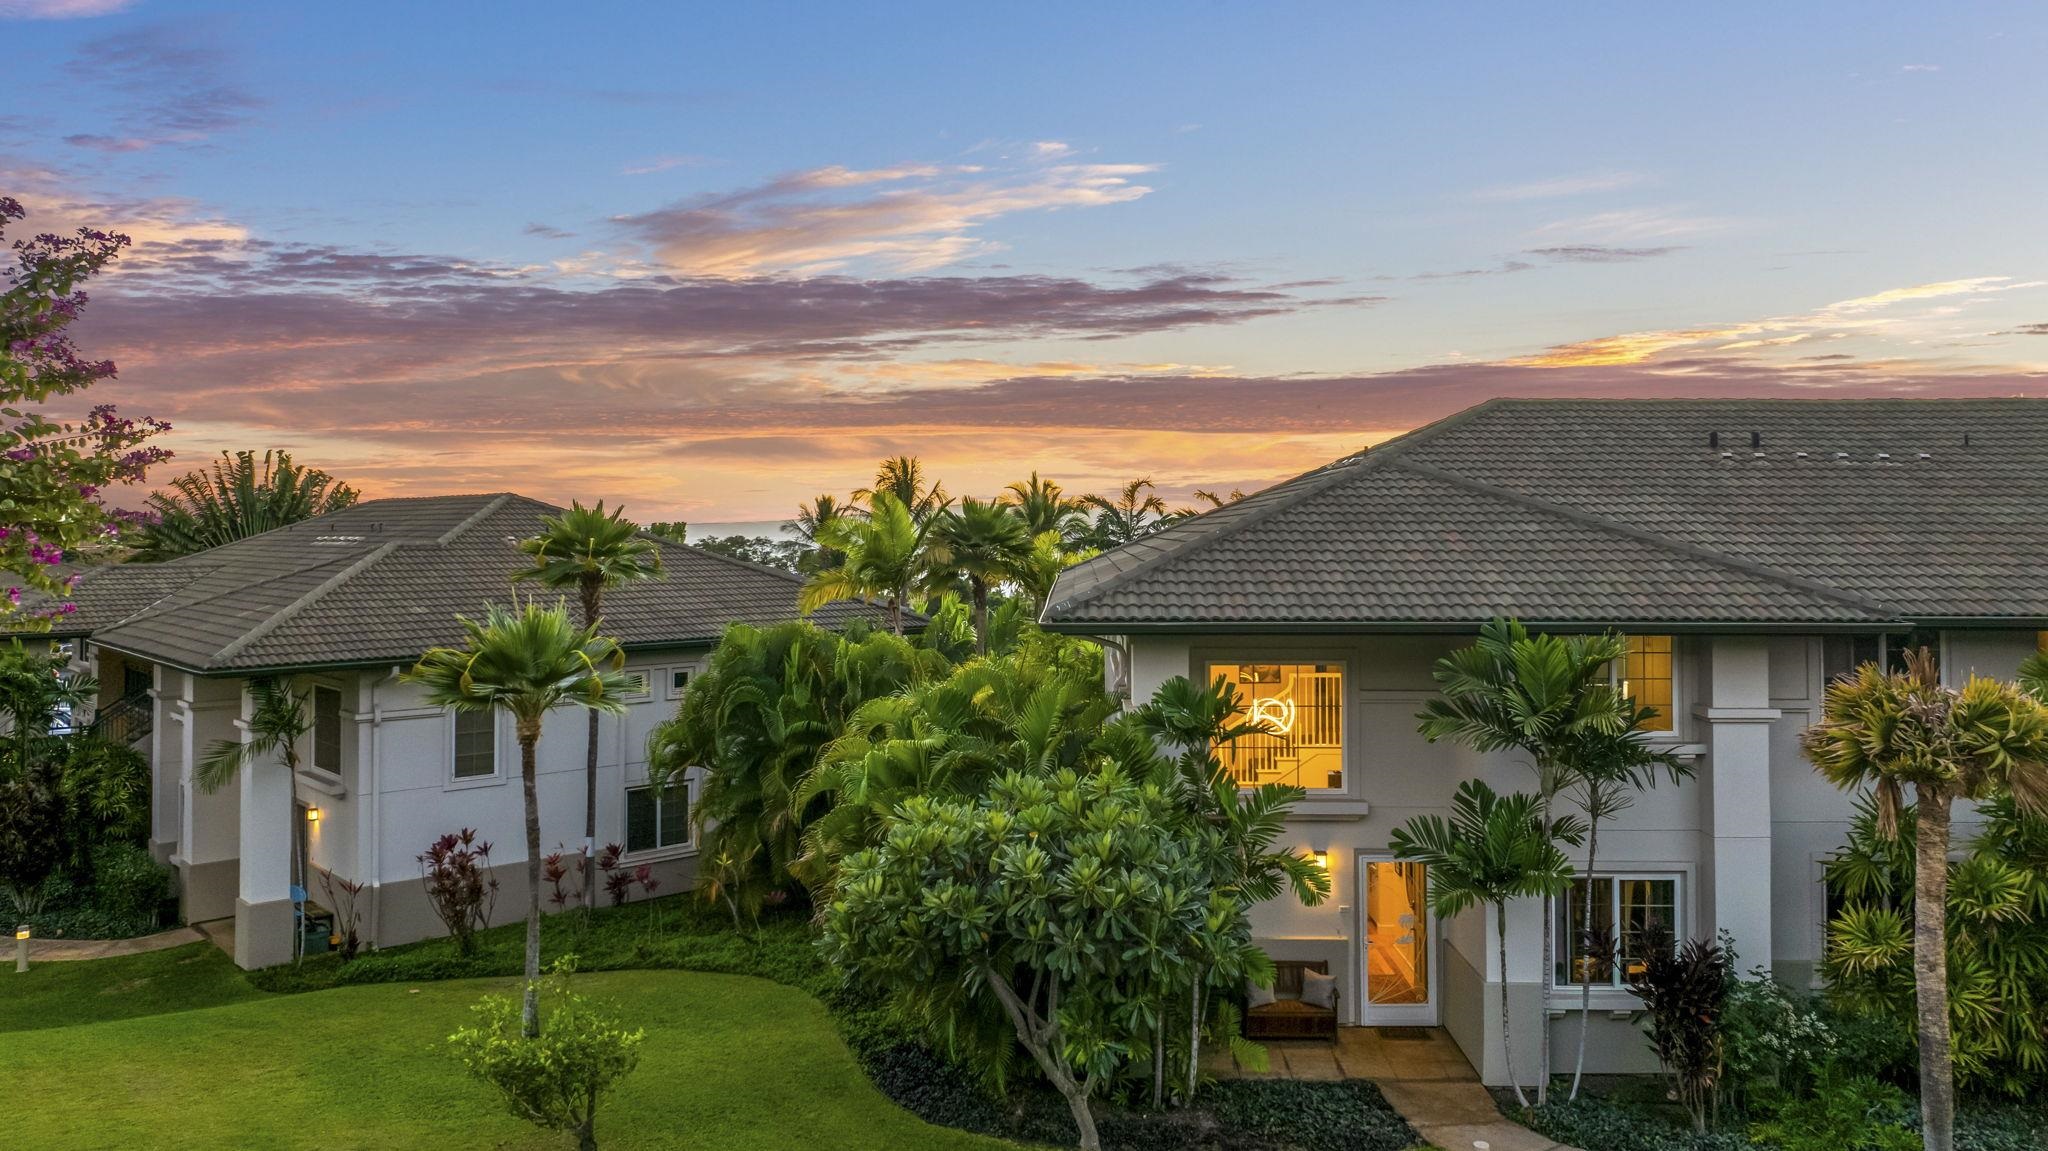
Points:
[(1887, 731), (1494, 848), (985, 543), (589, 549), (1545, 696), (1045, 507), (239, 496), (887, 554), (1137, 510), (277, 725), (904, 478), (525, 661)]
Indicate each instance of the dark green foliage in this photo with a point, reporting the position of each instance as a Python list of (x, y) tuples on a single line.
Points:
[(1350, 1115), (129, 883), (1619, 1121), (785, 554), (1843, 1113), (1594, 1122), (238, 497)]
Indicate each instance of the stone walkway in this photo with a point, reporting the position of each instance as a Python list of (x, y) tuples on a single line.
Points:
[(1422, 1073), (66, 950)]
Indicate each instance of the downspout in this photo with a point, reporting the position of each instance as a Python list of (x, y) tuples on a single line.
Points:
[(375, 788)]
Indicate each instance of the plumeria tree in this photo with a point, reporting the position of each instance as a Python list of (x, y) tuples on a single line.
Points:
[(52, 471)]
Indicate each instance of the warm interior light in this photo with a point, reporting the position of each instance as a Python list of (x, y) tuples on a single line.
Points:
[(1275, 713), (312, 815)]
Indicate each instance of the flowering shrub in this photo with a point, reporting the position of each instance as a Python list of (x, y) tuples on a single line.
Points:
[(1773, 1043), (457, 872), (52, 473)]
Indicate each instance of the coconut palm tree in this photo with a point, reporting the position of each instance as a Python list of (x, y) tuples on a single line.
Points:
[(1494, 848), (589, 549), (887, 554), (904, 478), (1545, 696), (525, 661), (1887, 731), (985, 543), (1137, 510), (239, 496), (1045, 507), (277, 725)]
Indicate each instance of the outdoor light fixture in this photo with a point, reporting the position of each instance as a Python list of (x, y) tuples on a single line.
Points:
[(21, 932), (312, 815), (1322, 859), (21, 949)]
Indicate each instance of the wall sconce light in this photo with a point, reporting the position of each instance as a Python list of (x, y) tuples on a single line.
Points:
[(312, 815), (1322, 859)]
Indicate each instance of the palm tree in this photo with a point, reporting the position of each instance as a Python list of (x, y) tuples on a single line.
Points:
[(1045, 507), (1493, 849), (277, 725), (904, 478), (1137, 510), (1210, 497), (1607, 770), (590, 550), (236, 498), (1545, 696), (985, 543), (1042, 565), (886, 556), (526, 661), (1885, 731)]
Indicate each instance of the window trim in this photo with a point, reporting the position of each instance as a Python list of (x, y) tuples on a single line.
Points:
[(667, 850), (1615, 678), (311, 765), (1206, 660), (1561, 941), (498, 774), (669, 688), (646, 678)]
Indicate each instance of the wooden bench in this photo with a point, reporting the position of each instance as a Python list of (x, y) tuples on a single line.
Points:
[(1287, 1017)]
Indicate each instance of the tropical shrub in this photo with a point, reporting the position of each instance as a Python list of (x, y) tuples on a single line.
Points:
[(555, 1079), (1685, 992), (1997, 945), (1069, 898), (31, 832), (456, 869), (343, 895), (753, 723), (1772, 1042), (238, 497), (1844, 1113), (128, 882)]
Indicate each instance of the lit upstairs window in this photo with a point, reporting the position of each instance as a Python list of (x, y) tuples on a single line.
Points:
[(1644, 674), (1299, 711)]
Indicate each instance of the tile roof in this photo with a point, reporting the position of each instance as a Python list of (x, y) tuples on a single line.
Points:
[(383, 581), (1689, 512)]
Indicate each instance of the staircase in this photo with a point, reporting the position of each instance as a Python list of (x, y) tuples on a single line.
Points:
[(127, 721)]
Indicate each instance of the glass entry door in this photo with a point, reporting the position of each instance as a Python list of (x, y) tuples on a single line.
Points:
[(1400, 944)]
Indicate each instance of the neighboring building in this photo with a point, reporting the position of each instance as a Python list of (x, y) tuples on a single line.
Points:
[(340, 606), (1750, 550)]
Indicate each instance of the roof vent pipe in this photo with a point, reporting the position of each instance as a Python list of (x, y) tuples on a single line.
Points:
[(1714, 441), (1756, 440)]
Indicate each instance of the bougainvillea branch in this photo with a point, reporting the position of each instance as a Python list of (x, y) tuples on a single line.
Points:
[(52, 472)]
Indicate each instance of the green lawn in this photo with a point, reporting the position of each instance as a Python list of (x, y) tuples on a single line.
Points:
[(729, 1062), (98, 990)]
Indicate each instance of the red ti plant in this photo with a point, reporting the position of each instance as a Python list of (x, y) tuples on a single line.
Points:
[(556, 867), (341, 896), (457, 872)]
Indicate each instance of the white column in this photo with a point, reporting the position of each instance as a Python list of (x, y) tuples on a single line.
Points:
[(263, 919), (1737, 892)]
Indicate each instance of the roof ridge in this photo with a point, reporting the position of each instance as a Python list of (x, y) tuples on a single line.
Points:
[(291, 610), (1581, 516), (474, 518), (734, 561)]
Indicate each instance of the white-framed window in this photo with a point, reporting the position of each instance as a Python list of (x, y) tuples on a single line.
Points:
[(1298, 709), (475, 754), (1649, 675), (657, 818), (327, 729), (638, 684), (1640, 913), (678, 681)]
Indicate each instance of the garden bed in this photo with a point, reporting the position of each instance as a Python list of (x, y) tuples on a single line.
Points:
[(1630, 1114)]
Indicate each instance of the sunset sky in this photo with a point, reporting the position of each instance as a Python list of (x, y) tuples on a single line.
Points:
[(710, 260)]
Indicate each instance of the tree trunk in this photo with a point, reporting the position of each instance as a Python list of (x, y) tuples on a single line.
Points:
[(979, 591), (586, 1135), (1159, 1059), (896, 613), (529, 1012), (593, 603), (1930, 969), (1547, 786), (1586, 933), (1042, 1041), (1194, 1039), (1507, 1044)]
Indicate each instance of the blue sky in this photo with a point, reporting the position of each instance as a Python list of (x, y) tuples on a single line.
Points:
[(712, 259)]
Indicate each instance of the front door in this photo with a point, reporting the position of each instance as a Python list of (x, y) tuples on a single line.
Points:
[(1400, 951)]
